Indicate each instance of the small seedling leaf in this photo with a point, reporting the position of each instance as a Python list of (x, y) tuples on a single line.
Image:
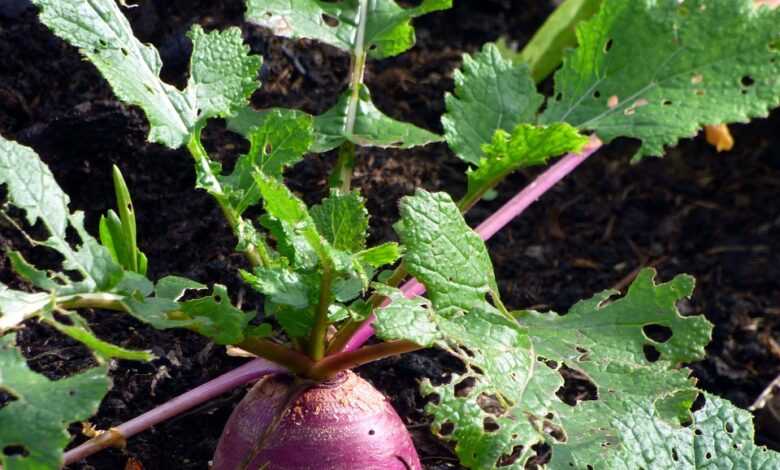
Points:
[(526, 145)]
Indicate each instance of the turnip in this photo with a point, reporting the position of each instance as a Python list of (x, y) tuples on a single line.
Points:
[(325, 290), (341, 423)]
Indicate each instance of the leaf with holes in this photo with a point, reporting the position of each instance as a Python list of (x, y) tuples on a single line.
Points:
[(653, 70), (34, 424), (381, 28), (499, 405), (490, 94), (221, 79)]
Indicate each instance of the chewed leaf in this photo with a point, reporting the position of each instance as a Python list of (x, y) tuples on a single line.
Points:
[(490, 94), (35, 421), (635, 399), (383, 29), (371, 127), (654, 70), (527, 145), (222, 75)]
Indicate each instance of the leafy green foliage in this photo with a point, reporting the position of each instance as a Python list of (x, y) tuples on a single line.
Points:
[(371, 127), (35, 422), (506, 397), (118, 232), (544, 52), (526, 146), (382, 27), (221, 80), (444, 253), (278, 139), (653, 70), (490, 94), (343, 220)]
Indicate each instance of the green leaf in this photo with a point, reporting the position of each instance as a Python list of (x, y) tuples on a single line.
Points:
[(222, 75), (444, 253), (283, 286), (278, 139), (297, 226), (17, 306), (174, 287), (380, 255), (342, 219), (409, 319), (615, 330), (118, 232), (37, 418), (721, 423), (544, 52), (80, 331), (491, 93), (216, 317), (32, 188), (371, 128), (526, 146), (602, 341), (383, 29), (654, 71)]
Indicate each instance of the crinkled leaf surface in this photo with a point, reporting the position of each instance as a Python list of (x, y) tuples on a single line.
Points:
[(383, 28), (657, 70), (494, 407), (222, 74), (342, 219), (491, 93), (527, 145), (411, 319), (444, 253), (371, 128), (278, 139), (37, 418)]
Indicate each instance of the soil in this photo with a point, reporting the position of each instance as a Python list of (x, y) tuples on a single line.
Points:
[(696, 211)]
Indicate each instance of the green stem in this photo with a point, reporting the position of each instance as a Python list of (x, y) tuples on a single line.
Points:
[(341, 177), (320, 329), (258, 255), (345, 332)]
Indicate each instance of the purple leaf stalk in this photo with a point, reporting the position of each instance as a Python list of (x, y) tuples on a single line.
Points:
[(259, 368)]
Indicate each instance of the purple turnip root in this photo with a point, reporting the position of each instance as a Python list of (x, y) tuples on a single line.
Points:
[(342, 424)]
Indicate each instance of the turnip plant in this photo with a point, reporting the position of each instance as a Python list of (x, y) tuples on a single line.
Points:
[(652, 70)]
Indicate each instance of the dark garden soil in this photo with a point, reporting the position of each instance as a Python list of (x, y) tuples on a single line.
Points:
[(712, 215)]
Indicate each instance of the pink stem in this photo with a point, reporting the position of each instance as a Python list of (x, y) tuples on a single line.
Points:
[(513, 208), (248, 372)]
